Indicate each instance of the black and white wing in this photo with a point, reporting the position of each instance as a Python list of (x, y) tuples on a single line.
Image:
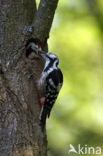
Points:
[(54, 83)]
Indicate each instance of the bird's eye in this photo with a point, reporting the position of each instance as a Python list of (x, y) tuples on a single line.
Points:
[(57, 63)]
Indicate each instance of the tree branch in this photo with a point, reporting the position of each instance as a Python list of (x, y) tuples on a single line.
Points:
[(43, 19)]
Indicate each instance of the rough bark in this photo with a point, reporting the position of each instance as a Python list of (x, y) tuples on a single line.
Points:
[(20, 130)]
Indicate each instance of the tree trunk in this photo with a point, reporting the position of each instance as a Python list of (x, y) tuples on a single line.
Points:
[(20, 130)]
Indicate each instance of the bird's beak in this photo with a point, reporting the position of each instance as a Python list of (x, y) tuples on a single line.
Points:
[(43, 54)]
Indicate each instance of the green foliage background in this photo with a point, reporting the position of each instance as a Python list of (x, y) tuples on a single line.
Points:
[(77, 38)]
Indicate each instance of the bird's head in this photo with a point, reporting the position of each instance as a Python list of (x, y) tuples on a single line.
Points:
[(50, 57)]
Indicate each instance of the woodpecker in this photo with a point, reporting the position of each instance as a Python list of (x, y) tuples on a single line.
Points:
[(32, 48), (51, 80)]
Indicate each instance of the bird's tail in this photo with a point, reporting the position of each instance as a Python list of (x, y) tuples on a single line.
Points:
[(45, 111)]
